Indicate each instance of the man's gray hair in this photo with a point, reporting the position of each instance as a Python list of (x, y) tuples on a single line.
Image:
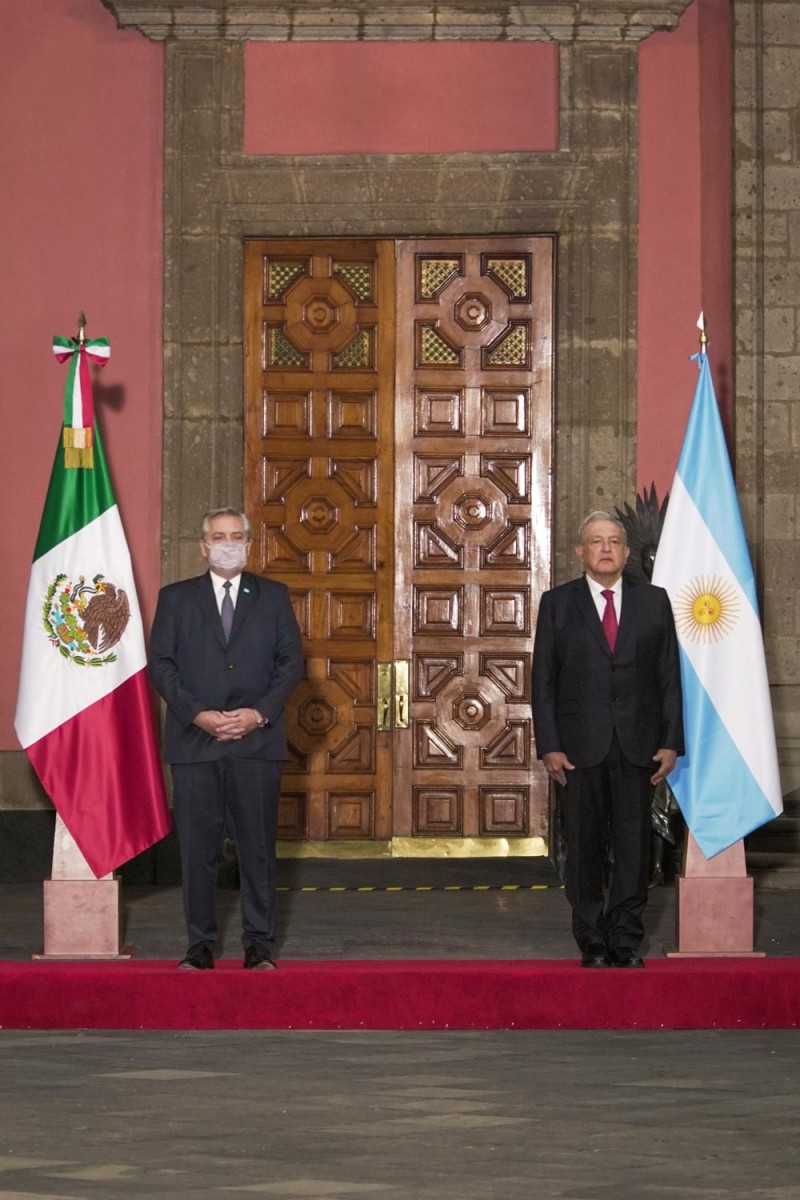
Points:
[(601, 515), (226, 512)]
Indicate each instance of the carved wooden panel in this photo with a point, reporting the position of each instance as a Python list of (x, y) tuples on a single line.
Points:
[(473, 452), (319, 343), (438, 810), (351, 815), (503, 810), (293, 815)]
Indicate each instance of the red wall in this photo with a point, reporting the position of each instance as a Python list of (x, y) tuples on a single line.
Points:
[(684, 229), (81, 118), (400, 97)]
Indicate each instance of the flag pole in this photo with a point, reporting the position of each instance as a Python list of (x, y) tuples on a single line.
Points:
[(84, 707), (82, 913), (715, 910)]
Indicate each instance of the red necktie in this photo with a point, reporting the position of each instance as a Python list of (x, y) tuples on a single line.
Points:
[(610, 619)]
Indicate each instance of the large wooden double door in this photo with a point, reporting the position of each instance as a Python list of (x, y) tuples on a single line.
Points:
[(398, 474)]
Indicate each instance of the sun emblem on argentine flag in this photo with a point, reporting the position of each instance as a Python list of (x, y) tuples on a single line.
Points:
[(706, 609)]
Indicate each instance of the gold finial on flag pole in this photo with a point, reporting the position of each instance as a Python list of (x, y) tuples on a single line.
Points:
[(701, 325), (81, 329)]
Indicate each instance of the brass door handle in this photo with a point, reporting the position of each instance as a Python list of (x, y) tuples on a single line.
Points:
[(401, 693), (383, 718), (392, 696)]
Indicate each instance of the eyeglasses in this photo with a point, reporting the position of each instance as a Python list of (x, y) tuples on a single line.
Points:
[(217, 538)]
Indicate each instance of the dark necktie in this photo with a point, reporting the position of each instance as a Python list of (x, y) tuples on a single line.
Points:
[(226, 611), (610, 619)]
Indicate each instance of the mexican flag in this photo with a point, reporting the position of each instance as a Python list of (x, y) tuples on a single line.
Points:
[(84, 712)]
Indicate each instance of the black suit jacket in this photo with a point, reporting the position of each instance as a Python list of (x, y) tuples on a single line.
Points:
[(193, 669), (582, 692)]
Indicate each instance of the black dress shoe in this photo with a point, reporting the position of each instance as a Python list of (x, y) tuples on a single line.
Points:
[(595, 956), (625, 957), (197, 958), (258, 958)]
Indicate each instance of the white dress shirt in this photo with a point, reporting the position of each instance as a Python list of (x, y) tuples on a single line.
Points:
[(597, 590), (219, 588)]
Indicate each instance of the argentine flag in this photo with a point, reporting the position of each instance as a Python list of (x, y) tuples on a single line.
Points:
[(727, 784)]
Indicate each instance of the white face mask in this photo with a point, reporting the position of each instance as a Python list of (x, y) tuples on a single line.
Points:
[(227, 556)]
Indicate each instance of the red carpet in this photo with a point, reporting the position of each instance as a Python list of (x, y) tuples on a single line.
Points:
[(730, 993)]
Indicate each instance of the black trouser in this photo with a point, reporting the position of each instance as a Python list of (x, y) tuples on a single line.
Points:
[(612, 800), (247, 789)]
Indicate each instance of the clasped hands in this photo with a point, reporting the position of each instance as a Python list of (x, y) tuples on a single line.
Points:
[(227, 726), (557, 764)]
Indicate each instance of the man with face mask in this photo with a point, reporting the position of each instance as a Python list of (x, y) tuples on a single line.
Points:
[(226, 655)]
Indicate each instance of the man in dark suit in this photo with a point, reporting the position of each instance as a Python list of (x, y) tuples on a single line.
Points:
[(226, 655), (606, 707)]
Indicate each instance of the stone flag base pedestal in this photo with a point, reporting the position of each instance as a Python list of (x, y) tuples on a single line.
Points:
[(715, 905), (82, 917)]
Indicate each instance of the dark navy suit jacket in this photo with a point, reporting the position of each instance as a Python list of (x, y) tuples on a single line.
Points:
[(582, 692), (193, 668)]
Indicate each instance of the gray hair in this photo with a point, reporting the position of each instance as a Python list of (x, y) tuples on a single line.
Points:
[(226, 512), (601, 515)]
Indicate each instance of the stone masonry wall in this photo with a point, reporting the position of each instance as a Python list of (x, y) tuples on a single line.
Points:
[(767, 332)]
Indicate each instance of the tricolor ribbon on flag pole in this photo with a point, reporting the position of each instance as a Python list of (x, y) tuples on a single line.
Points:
[(78, 436)]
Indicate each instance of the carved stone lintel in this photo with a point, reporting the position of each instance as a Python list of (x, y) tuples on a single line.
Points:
[(401, 20)]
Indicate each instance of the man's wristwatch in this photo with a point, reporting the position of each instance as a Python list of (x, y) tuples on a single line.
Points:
[(260, 721)]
